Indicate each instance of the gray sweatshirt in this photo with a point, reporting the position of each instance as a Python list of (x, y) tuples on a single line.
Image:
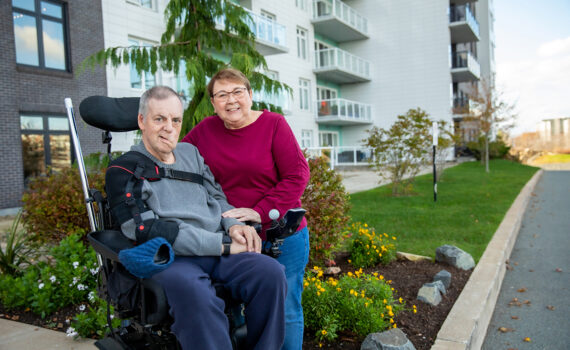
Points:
[(196, 208)]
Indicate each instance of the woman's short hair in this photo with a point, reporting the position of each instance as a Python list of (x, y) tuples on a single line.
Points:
[(158, 92), (230, 74)]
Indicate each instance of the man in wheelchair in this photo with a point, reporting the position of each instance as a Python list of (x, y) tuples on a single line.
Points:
[(162, 190)]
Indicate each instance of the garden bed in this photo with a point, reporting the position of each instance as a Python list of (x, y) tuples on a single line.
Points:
[(407, 277)]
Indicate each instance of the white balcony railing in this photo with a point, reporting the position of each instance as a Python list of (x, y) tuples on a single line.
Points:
[(344, 110), (342, 11), (343, 155), (336, 58), (266, 29)]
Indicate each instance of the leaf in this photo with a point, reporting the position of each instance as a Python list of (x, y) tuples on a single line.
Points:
[(550, 307), (522, 290), (505, 329)]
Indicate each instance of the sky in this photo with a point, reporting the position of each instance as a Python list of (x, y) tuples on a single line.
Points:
[(532, 58)]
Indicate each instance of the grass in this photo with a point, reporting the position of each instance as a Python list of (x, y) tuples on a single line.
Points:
[(470, 206), (552, 158)]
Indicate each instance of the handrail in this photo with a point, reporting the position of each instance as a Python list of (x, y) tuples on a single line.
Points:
[(344, 109), (335, 57), (342, 11)]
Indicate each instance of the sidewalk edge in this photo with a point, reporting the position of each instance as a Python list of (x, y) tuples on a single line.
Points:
[(466, 324)]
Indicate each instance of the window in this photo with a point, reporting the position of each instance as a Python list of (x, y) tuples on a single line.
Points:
[(328, 139), (40, 33), (306, 139), (45, 142), (304, 94), (302, 44), (145, 80), (301, 4), (143, 3)]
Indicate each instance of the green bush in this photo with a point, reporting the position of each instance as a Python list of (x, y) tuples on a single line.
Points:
[(368, 248), (91, 321), (498, 149), (18, 250), (54, 205), (356, 302), (327, 205), (64, 278)]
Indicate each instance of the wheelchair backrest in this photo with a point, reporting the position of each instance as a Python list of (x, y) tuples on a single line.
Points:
[(111, 114)]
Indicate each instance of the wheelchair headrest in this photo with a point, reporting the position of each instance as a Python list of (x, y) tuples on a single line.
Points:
[(110, 114)]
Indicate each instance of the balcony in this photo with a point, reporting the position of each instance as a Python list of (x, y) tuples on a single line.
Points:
[(464, 67), (341, 112), (341, 67), (463, 26), (461, 105), (270, 37), (338, 21)]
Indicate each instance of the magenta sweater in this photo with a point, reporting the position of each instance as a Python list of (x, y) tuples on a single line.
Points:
[(260, 166)]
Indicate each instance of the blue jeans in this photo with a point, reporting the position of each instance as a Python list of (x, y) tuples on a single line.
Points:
[(295, 256)]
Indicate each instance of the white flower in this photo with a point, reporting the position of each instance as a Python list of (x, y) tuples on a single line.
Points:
[(71, 332), (80, 287), (91, 296), (52, 279), (75, 264), (81, 307), (40, 286), (94, 271), (75, 280)]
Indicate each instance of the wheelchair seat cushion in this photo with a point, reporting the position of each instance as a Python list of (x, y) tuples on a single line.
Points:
[(148, 258)]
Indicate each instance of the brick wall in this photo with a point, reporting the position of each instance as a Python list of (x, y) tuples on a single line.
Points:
[(29, 89)]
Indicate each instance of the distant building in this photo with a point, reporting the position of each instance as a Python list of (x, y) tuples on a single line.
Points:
[(41, 45)]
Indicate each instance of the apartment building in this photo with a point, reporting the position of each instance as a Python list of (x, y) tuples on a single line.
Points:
[(352, 64), (41, 45)]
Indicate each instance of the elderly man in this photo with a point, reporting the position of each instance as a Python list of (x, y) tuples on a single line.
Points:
[(164, 189)]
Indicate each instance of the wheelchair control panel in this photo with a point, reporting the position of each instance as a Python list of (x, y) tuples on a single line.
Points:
[(281, 229)]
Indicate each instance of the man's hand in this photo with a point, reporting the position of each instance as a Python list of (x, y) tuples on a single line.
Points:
[(242, 214), (247, 236)]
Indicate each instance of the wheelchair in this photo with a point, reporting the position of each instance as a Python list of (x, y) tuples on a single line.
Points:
[(140, 303)]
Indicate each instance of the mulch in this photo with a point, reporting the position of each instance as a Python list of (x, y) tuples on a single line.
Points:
[(407, 278)]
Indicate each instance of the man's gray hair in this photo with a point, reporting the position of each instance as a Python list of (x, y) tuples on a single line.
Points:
[(159, 92)]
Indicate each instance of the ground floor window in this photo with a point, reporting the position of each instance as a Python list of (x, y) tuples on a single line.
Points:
[(306, 138), (46, 142), (328, 139)]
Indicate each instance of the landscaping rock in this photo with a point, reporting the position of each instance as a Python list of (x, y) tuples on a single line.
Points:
[(430, 293), (444, 276), (333, 270), (438, 284), (393, 339), (455, 257)]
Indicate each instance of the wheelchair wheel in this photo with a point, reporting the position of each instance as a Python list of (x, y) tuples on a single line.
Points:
[(109, 344)]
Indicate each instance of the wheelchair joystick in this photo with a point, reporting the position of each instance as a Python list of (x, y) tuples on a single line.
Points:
[(281, 229)]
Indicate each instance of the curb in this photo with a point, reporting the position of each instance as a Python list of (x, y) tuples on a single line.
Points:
[(466, 324)]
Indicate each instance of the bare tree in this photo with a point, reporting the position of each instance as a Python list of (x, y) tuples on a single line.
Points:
[(491, 113)]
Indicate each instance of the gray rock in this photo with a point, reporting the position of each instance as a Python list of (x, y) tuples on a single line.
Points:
[(393, 339), (443, 276), (455, 257), (430, 293), (438, 284)]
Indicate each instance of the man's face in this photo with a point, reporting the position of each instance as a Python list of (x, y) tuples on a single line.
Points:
[(161, 127)]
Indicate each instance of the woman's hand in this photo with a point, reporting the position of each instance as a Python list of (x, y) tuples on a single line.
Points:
[(247, 236), (243, 214)]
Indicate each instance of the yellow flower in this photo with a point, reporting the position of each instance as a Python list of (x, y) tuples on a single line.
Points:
[(320, 345), (415, 311), (338, 289), (527, 339), (391, 320), (385, 301), (349, 261), (401, 300), (394, 238), (390, 313), (365, 225), (306, 284), (322, 289), (375, 273), (349, 273), (324, 332), (381, 277), (365, 304), (395, 326)]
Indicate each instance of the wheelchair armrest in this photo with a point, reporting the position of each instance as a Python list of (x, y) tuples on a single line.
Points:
[(108, 243)]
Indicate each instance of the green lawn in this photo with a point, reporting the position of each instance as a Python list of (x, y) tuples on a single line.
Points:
[(553, 158), (470, 206)]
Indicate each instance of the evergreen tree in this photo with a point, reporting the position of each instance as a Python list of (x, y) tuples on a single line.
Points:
[(196, 30)]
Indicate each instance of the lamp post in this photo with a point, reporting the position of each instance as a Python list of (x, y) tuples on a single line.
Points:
[(434, 144)]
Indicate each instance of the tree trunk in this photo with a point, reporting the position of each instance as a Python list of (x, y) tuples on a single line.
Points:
[(487, 152)]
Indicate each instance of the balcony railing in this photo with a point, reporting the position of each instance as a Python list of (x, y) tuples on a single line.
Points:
[(342, 12), (343, 155), (279, 99), (464, 14), (266, 29), (465, 59), (334, 58), (343, 112)]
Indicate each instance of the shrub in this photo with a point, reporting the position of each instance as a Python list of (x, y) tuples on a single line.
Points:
[(17, 251), (327, 205), (54, 205), (64, 278), (356, 302), (91, 321), (498, 149), (367, 248)]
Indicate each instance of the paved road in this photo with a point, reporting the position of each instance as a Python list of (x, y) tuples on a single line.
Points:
[(538, 276)]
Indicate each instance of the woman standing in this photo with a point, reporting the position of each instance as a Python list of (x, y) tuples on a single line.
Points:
[(256, 159)]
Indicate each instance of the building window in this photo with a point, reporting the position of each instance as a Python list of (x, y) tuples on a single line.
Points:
[(328, 139), (301, 4), (302, 45), (45, 142), (40, 33), (306, 139), (149, 4), (145, 80), (304, 94)]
